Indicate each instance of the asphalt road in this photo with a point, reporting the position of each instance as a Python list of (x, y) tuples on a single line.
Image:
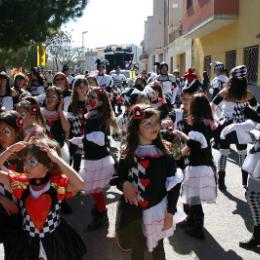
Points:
[(226, 223)]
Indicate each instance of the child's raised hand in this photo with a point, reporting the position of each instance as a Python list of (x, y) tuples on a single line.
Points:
[(168, 221), (17, 147), (10, 207), (50, 152), (185, 151), (167, 123), (130, 193)]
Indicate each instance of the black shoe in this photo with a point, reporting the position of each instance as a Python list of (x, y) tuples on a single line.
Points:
[(221, 181), (194, 232), (252, 242), (100, 220), (66, 208)]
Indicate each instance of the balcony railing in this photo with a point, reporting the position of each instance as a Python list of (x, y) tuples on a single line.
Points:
[(175, 34)]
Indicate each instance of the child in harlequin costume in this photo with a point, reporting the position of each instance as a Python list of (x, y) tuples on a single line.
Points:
[(97, 167), (75, 115), (33, 122), (251, 166), (199, 183), (231, 101), (46, 182), (56, 123), (11, 131), (149, 184), (177, 119)]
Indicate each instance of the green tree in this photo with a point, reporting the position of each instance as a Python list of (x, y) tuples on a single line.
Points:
[(57, 46), (23, 22)]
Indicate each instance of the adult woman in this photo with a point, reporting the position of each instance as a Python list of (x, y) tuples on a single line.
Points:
[(231, 101)]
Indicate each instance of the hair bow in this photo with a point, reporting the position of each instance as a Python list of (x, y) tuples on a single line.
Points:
[(138, 113)]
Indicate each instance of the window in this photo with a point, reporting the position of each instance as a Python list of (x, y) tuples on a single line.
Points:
[(231, 59), (251, 61), (189, 4), (207, 61)]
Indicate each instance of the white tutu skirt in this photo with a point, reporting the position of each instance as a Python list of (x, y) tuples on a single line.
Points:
[(199, 185), (252, 161), (97, 173), (252, 164), (153, 221)]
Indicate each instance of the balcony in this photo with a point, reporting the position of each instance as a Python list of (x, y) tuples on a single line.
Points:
[(202, 17), (176, 33)]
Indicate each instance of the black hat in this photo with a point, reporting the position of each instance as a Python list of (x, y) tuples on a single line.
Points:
[(192, 88), (66, 67)]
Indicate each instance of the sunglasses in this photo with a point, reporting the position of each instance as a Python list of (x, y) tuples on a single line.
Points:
[(59, 79), (147, 123)]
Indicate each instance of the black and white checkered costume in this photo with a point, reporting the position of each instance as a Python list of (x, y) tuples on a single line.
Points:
[(51, 223), (55, 239), (239, 72)]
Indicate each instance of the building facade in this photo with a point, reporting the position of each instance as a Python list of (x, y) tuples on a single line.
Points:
[(226, 31)]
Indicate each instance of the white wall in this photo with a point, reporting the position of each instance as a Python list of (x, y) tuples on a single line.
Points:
[(179, 46)]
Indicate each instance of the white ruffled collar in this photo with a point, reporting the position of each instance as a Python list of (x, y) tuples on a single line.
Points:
[(148, 151)]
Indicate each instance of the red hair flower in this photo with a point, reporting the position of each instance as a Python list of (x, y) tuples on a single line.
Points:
[(19, 122), (34, 110), (138, 113), (99, 91)]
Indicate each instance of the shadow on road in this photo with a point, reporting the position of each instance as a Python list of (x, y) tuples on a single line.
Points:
[(242, 209), (204, 250)]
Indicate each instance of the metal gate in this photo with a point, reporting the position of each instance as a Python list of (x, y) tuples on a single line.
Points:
[(251, 61)]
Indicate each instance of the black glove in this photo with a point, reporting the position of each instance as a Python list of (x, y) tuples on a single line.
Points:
[(252, 114)]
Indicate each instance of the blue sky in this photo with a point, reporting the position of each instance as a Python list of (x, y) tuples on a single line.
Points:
[(111, 22)]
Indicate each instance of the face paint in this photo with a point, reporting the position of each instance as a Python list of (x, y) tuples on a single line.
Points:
[(91, 101), (147, 123), (7, 131), (32, 162), (23, 115)]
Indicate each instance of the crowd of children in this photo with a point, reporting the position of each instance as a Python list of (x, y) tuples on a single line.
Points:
[(167, 130)]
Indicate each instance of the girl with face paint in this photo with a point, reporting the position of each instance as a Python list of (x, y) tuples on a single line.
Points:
[(150, 186), (33, 122), (47, 180), (11, 132), (97, 167)]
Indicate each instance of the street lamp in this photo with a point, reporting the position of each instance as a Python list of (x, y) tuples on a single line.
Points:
[(82, 34), (83, 47)]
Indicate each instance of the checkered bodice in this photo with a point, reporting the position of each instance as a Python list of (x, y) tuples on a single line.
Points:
[(51, 222), (231, 111)]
